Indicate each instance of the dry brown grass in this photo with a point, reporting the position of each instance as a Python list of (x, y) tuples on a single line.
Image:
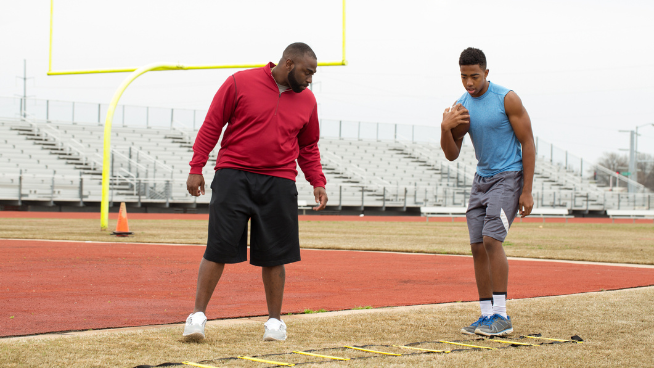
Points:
[(620, 243), (617, 327)]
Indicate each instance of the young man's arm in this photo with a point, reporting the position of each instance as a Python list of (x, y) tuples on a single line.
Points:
[(220, 112), (309, 159), (521, 124), (451, 118)]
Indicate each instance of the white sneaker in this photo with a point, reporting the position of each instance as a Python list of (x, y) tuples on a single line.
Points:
[(275, 330), (194, 329)]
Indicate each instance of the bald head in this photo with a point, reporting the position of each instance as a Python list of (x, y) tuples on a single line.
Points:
[(296, 51)]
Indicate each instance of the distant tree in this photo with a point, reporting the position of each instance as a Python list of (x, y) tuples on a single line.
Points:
[(614, 161), (645, 167)]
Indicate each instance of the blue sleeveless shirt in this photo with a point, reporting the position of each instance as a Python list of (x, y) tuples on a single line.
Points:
[(496, 146)]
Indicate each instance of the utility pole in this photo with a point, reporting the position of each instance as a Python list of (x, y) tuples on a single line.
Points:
[(632, 157), (633, 154)]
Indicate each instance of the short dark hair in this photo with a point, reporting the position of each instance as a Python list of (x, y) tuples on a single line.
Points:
[(473, 56), (298, 49)]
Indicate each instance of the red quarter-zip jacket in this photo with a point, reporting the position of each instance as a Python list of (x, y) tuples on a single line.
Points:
[(266, 130)]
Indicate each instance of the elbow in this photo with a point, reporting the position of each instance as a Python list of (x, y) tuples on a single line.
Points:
[(451, 156)]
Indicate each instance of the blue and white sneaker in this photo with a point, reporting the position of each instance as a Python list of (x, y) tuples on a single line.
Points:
[(470, 330), (496, 325)]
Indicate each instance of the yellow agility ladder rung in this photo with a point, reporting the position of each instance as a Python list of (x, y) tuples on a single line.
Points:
[(560, 340), (471, 346), (266, 361), (193, 364), (320, 356), (372, 351), (511, 342), (421, 349)]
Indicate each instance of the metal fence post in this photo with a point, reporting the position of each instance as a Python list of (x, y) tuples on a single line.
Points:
[(47, 110), (362, 187), (168, 192), (172, 113), (378, 132), (384, 200), (81, 190), (405, 191), (99, 119), (147, 117), (395, 136), (581, 167), (52, 190), (139, 187), (20, 187), (358, 131), (340, 195), (194, 119), (147, 187), (553, 199), (340, 128)]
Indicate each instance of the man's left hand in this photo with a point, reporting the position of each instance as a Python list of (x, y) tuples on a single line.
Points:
[(525, 204), (321, 197)]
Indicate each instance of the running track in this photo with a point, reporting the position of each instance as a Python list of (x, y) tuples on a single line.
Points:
[(50, 286)]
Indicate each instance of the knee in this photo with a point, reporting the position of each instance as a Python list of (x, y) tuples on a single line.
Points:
[(478, 249), (491, 245)]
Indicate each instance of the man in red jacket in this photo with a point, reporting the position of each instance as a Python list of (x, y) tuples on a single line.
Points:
[(272, 121)]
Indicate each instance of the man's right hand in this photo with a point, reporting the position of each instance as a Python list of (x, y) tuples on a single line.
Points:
[(455, 116), (195, 184)]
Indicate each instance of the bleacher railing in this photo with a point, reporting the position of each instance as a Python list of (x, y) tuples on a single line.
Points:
[(126, 187), (89, 113)]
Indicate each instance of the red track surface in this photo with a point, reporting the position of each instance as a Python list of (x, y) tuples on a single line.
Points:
[(205, 217), (62, 286)]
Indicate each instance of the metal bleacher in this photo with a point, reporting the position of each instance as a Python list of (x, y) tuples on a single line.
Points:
[(59, 163)]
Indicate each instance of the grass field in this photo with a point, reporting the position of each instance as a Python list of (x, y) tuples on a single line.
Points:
[(618, 326), (621, 243)]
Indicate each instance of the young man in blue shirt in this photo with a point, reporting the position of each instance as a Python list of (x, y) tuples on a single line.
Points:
[(500, 130)]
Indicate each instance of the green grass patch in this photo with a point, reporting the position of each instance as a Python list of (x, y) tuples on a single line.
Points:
[(310, 311)]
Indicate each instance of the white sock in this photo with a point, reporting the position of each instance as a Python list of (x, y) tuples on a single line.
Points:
[(486, 305), (499, 304)]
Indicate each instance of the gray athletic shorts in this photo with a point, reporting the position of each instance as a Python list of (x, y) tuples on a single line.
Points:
[(493, 205)]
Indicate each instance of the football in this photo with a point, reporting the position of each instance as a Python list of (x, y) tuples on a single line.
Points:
[(460, 130)]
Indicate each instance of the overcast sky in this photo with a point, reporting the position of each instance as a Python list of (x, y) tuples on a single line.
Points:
[(582, 68)]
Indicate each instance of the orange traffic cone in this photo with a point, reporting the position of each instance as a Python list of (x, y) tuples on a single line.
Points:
[(122, 229)]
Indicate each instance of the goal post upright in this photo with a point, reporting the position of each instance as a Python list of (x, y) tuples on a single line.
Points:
[(135, 73)]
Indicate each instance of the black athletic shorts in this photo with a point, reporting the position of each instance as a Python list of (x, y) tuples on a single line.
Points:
[(271, 205)]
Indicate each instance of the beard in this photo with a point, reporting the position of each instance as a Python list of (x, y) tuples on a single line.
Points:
[(293, 83)]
